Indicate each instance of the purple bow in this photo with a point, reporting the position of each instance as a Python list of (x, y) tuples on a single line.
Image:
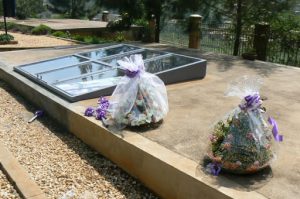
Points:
[(131, 74), (214, 168), (251, 102), (277, 137)]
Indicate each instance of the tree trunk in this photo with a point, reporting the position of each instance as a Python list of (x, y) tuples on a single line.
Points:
[(157, 28), (238, 29)]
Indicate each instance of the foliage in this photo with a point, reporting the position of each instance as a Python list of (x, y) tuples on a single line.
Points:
[(28, 8), (60, 34), (120, 37), (70, 8), (16, 27), (6, 38), (78, 38), (134, 8), (81, 38), (141, 22), (120, 24), (41, 30)]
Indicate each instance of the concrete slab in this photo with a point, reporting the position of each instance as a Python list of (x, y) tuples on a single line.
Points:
[(169, 159)]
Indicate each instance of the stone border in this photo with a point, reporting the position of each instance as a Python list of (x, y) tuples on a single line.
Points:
[(17, 175)]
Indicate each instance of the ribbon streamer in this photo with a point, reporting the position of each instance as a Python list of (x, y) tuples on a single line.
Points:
[(277, 137)]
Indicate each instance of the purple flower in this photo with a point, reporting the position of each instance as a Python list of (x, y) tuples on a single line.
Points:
[(100, 113), (103, 102), (89, 111), (214, 168)]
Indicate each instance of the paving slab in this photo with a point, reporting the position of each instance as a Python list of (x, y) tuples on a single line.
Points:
[(169, 159)]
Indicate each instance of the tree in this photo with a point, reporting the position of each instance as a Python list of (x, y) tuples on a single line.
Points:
[(26, 8), (73, 8)]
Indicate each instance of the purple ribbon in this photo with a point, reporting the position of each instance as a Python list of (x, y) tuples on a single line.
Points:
[(39, 113), (277, 137), (214, 168), (131, 74), (251, 102)]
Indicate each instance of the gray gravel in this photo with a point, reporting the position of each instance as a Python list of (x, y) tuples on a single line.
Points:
[(61, 164), (7, 191)]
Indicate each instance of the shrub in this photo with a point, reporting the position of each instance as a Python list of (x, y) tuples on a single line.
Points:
[(78, 38), (60, 34), (91, 40), (6, 38), (41, 30), (119, 37)]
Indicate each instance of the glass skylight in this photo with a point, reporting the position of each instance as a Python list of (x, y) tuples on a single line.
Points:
[(95, 73)]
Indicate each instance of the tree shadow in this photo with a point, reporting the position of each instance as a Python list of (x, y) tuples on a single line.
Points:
[(226, 62), (119, 179)]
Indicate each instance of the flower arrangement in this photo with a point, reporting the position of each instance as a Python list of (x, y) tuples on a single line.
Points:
[(140, 98), (242, 143)]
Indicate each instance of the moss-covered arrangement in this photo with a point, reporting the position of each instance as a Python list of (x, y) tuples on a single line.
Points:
[(242, 143)]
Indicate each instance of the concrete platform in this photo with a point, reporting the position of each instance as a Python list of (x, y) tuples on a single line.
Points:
[(169, 159), (61, 24)]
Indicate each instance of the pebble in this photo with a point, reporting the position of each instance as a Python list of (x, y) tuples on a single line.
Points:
[(7, 191), (59, 162)]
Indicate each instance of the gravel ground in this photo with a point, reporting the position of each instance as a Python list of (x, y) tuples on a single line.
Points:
[(25, 41), (7, 191), (62, 165)]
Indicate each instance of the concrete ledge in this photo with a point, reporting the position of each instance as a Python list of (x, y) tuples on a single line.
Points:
[(17, 175), (167, 173)]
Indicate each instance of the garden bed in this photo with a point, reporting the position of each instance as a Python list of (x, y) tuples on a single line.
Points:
[(34, 41)]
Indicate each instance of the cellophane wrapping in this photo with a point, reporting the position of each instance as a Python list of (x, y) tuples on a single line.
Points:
[(140, 98), (242, 142)]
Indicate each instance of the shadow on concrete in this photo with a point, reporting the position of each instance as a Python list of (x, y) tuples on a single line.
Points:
[(225, 62), (119, 179), (246, 182)]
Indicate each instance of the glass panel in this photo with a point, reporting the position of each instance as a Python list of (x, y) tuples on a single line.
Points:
[(147, 54), (90, 83), (108, 52), (169, 62), (52, 64), (71, 71)]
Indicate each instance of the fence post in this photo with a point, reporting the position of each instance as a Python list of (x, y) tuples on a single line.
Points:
[(261, 38), (152, 26), (194, 30), (105, 16)]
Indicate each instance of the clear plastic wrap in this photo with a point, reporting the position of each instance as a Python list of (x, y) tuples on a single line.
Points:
[(140, 98), (243, 141)]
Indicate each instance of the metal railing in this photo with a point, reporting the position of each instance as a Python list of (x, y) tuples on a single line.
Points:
[(219, 38)]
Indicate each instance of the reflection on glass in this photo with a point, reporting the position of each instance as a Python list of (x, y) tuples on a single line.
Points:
[(108, 51), (90, 83), (147, 54), (72, 71), (52, 64), (169, 62)]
